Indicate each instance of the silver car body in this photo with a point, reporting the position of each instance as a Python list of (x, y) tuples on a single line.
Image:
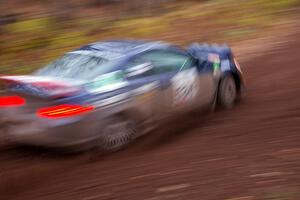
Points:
[(148, 104)]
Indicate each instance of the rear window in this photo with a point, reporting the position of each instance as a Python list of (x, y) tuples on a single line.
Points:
[(77, 66)]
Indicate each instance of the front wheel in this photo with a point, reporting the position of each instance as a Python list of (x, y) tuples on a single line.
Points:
[(227, 92), (118, 133)]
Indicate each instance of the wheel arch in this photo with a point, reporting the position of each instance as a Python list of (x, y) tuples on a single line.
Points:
[(236, 77), (131, 113)]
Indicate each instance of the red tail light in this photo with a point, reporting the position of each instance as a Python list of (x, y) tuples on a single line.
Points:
[(11, 101), (63, 111)]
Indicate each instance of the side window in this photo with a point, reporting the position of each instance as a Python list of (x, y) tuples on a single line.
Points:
[(138, 68), (167, 61), (161, 61)]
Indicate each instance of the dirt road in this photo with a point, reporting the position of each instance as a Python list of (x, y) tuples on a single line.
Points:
[(249, 152)]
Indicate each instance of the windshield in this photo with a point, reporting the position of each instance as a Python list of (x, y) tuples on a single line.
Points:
[(77, 66)]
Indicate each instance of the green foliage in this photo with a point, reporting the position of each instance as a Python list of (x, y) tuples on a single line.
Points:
[(238, 33), (141, 27), (277, 193), (28, 44), (30, 25)]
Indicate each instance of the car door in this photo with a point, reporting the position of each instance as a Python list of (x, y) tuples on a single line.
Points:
[(145, 87), (208, 78), (179, 85), (185, 86), (177, 78)]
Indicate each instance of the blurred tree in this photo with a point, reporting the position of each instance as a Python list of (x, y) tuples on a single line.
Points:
[(144, 8), (103, 2), (9, 18)]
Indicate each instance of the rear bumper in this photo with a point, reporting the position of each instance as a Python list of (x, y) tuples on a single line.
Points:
[(53, 133), (30, 129)]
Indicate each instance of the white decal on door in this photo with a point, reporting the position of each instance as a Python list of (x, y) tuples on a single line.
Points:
[(185, 86)]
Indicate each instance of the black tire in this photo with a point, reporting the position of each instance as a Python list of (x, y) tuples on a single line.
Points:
[(118, 133), (227, 92)]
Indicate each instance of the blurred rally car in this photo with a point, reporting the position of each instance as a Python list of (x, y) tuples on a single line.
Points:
[(108, 93)]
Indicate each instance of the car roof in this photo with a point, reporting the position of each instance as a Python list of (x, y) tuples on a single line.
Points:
[(122, 47)]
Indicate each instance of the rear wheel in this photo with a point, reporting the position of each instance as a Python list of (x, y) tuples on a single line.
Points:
[(227, 93), (118, 133)]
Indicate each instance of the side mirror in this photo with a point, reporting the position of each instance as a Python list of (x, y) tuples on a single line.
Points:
[(139, 70)]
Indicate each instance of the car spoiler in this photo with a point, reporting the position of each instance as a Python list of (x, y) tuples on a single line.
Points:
[(41, 86)]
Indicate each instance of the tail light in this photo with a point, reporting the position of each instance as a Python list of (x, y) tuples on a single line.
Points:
[(11, 101), (63, 111)]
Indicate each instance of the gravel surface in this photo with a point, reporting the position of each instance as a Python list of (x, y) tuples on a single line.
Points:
[(249, 152)]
